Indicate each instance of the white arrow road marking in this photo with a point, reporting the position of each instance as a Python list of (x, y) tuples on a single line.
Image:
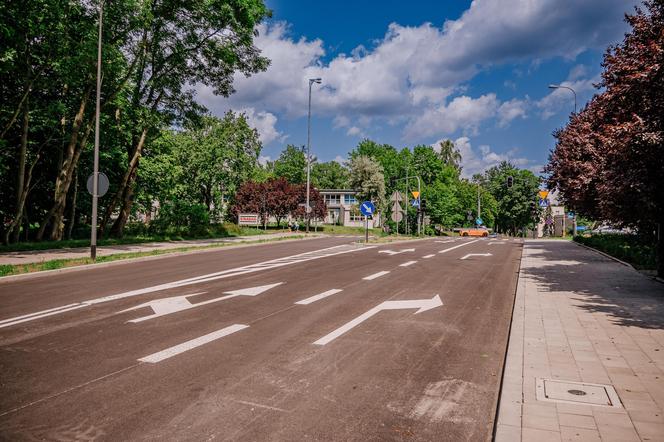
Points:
[(266, 265), (422, 304), (174, 304), (376, 275), (476, 254), (428, 256), (189, 345), (408, 263), (456, 247), (392, 252), (319, 297)]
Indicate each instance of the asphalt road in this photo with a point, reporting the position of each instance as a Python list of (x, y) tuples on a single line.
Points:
[(310, 340)]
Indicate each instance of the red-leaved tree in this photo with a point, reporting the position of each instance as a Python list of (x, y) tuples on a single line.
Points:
[(608, 162)]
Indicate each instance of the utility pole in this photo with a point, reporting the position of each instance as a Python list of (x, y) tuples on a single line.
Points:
[(95, 168), (307, 208)]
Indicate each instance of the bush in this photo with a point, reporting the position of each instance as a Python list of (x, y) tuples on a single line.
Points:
[(638, 251), (181, 217)]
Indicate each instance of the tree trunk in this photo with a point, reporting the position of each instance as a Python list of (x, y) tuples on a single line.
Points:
[(63, 181), (21, 188), (125, 191), (660, 249), (72, 213)]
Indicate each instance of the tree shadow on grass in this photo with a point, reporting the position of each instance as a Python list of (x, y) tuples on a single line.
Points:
[(597, 284)]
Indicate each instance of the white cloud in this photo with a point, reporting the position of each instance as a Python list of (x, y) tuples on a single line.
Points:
[(478, 160), (264, 159), (461, 113), (412, 74), (562, 100), (510, 110), (264, 122), (341, 160)]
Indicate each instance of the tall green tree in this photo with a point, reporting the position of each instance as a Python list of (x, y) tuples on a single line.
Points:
[(514, 203), (291, 165), (329, 175), (449, 154), (366, 177)]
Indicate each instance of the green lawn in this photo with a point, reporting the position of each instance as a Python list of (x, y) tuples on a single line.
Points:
[(637, 251)]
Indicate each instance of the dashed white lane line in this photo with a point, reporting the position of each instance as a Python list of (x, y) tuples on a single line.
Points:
[(445, 242), (318, 297), (376, 275), (476, 254), (429, 256), (456, 247), (408, 263), (189, 345)]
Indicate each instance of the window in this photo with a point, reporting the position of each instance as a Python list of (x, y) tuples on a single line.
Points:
[(332, 199), (350, 199)]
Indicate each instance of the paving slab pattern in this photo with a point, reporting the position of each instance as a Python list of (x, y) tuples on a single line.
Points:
[(581, 317)]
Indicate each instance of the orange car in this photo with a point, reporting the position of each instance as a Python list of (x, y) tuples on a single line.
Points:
[(480, 231)]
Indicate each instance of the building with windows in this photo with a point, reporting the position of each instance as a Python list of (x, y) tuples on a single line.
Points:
[(343, 209)]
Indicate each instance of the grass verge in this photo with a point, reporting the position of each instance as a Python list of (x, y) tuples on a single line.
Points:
[(7, 270), (638, 252)]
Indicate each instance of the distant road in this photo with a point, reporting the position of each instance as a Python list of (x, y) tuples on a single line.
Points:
[(310, 340)]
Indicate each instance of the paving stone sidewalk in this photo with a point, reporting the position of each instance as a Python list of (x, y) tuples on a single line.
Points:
[(582, 317), (36, 256)]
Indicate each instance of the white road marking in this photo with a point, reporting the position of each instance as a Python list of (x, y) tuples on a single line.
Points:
[(446, 241), (456, 247), (408, 263), (189, 345), (174, 304), (376, 275), (319, 297), (43, 314), (496, 243), (428, 256), (279, 262), (392, 252), (476, 254), (421, 304)]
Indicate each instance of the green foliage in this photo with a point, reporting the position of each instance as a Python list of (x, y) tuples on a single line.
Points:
[(629, 248), (330, 175), (291, 165), (179, 217), (514, 203), (366, 177)]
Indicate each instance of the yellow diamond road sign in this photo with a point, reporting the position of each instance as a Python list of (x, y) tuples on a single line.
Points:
[(416, 194), (543, 194)]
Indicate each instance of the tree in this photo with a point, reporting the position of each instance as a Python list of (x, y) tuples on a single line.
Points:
[(329, 175), (513, 203), (449, 154), (178, 44), (366, 177), (291, 165), (607, 162)]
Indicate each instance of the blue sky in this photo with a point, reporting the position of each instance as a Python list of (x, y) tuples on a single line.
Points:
[(408, 73)]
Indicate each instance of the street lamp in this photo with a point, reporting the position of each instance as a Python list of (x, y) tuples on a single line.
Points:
[(95, 167), (557, 86), (307, 207)]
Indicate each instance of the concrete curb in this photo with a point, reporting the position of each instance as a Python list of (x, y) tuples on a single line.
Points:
[(167, 254)]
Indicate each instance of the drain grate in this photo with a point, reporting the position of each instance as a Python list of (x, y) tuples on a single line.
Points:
[(581, 393)]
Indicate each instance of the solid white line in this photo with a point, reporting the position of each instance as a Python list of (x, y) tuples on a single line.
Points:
[(38, 313), (319, 297), (428, 256), (406, 264), (456, 247), (189, 345), (445, 242), (32, 318), (376, 275)]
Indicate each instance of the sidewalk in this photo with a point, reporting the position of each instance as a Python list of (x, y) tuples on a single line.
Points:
[(583, 318), (37, 256)]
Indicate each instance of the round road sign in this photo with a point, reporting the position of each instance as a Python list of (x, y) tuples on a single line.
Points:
[(102, 186), (367, 208)]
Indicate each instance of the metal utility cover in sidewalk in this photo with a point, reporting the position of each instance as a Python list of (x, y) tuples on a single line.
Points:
[(580, 393)]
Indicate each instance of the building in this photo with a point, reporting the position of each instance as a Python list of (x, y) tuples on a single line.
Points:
[(343, 209), (560, 224)]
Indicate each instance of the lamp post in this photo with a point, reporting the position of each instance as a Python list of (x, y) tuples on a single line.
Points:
[(95, 167), (307, 207), (557, 86)]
